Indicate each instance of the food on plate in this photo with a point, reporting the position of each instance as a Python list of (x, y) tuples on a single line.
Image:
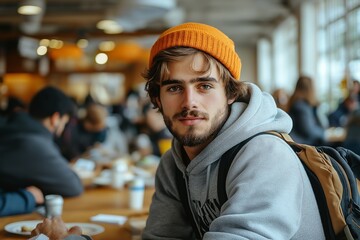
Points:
[(25, 228)]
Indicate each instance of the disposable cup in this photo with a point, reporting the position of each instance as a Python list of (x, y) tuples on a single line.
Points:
[(53, 205), (136, 197)]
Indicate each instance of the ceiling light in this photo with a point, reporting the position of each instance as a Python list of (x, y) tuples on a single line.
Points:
[(114, 30), (31, 7), (105, 24), (101, 58), (44, 42), (57, 44), (41, 50), (82, 43), (107, 46)]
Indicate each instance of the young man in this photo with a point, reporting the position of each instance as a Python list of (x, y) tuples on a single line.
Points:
[(29, 156), (193, 79)]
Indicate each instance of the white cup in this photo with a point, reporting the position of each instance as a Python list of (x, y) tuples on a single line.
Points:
[(117, 179), (118, 172), (53, 205), (136, 191)]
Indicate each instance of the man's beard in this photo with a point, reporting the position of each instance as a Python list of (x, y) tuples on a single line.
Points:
[(190, 138)]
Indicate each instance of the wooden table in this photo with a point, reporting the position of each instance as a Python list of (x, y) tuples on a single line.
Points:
[(93, 201)]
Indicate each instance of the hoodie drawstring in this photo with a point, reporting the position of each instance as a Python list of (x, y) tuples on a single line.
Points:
[(207, 185)]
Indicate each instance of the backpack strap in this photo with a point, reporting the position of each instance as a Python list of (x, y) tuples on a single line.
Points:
[(225, 162)]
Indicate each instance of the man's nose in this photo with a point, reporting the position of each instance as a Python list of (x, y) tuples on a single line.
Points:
[(189, 98)]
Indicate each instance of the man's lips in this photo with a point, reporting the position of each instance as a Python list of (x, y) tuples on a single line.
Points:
[(190, 120)]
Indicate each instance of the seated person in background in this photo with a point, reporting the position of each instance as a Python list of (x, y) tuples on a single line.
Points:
[(302, 108), (92, 129), (13, 104), (352, 139), (116, 143), (281, 98), (156, 128), (339, 118), (355, 89), (20, 201), (143, 152), (85, 133), (29, 155)]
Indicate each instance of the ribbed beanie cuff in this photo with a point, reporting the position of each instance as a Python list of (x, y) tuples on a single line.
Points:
[(203, 37)]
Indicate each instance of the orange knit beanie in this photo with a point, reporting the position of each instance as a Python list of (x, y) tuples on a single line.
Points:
[(203, 37)]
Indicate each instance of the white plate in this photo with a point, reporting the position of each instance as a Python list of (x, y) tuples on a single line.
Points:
[(16, 227), (105, 178), (87, 228)]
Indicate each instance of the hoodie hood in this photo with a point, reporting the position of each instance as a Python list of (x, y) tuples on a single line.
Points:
[(245, 120)]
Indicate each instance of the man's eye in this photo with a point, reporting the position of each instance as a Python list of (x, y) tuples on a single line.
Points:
[(174, 89), (205, 86)]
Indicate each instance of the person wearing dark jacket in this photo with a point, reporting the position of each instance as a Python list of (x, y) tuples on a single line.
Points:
[(303, 107), (20, 202), (340, 117), (29, 155)]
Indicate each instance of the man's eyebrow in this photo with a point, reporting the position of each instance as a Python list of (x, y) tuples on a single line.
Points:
[(170, 81), (200, 79), (204, 79)]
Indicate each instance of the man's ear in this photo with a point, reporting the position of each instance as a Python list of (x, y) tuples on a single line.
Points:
[(230, 101)]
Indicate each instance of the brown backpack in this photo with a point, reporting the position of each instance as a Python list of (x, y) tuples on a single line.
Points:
[(333, 173)]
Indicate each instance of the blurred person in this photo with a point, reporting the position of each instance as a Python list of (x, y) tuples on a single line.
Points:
[(13, 104), (115, 144), (281, 98), (156, 128), (355, 89), (340, 117), (131, 115), (84, 133), (194, 81), (29, 155), (95, 119), (352, 139), (143, 152), (92, 128), (97, 134), (303, 106), (20, 201)]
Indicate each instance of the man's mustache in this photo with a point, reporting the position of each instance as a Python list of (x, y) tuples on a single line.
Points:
[(192, 113)]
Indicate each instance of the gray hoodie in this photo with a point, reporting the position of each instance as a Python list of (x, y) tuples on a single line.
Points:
[(269, 194)]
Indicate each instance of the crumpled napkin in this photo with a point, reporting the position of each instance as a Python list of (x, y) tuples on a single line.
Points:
[(108, 218)]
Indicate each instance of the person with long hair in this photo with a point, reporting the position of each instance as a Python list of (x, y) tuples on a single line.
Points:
[(303, 107)]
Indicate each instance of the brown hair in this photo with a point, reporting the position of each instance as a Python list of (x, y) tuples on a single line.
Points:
[(95, 117), (304, 90), (159, 71)]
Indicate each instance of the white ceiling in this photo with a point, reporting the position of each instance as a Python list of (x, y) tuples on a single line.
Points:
[(243, 20)]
